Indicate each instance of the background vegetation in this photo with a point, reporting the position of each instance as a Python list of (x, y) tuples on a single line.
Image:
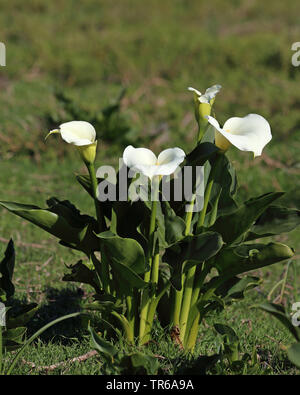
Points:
[(125, 66)]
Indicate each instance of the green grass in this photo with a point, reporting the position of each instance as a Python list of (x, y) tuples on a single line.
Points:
[(155, 50)]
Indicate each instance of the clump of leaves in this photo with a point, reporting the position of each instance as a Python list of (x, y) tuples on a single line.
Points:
[(120, 362)]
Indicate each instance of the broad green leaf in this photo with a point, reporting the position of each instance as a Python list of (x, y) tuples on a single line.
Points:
[(174, 225), (6, 271), (275, 220), (235, 224), (81, 273), (62, 220), (236, 260), (121, 212), (194, 249), (126, 251), (221, 199), (240, 286), (278, 312), (201, 153), (294, 354), (127, 259)]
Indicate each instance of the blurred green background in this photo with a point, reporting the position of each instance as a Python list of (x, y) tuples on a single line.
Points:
[(125, 66)]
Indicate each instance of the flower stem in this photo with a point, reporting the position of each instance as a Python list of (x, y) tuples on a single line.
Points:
[(94, 184), (101, 225), (187, 295), (190, 277), (177, 303), (152, 273)]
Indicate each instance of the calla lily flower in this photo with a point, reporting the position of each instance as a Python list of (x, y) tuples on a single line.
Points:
[(145, 161), (81, 134), (203, 105), (250, 133), (209, 94)]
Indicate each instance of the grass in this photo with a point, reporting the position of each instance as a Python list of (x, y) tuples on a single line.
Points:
[(154, 50)]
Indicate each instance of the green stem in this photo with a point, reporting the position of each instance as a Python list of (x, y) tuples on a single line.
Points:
[(186, 302), (189, 217), (94, 184), (191, 340), (131, 314), (175, 319), (205, 204), (101, 227), (151, 313), (152, 272), (177, 303), (190, 277), (192, 328), (200, 134)]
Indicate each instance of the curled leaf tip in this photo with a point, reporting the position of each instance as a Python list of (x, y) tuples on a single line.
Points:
[(52, 132)]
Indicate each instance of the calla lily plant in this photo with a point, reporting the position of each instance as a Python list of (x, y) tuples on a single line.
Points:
[(153, 263)]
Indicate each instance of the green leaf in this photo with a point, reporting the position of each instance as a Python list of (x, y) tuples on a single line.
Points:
[(127, 259), (104, 303), (105, 349), (240, 286), (221, 199), (137, 212), (278, 312), (85, 181), (81, 273), (201, 153), (194, 249), (62, 220), (6, 271), (124, 250), (245, 257), (174, 225), (235, 224), (294, 354), (275, 220)]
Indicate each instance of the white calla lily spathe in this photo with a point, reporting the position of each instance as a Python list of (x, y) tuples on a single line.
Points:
[(78, 133), (81, 134), (144, 161), (250, 133), (209, 94)]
